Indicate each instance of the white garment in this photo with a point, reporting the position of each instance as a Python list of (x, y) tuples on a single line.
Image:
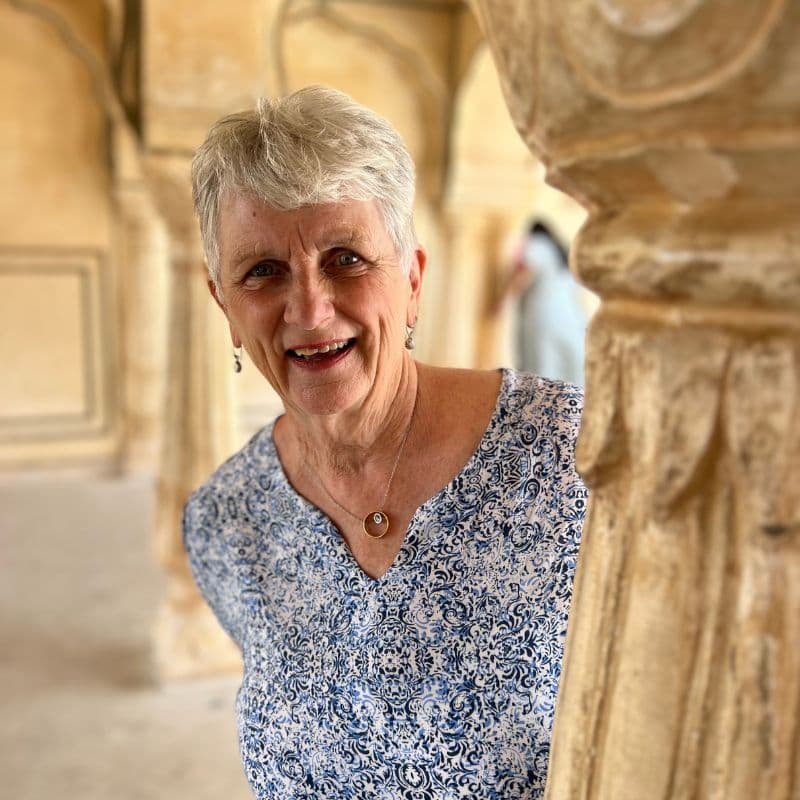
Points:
[(551, 323)]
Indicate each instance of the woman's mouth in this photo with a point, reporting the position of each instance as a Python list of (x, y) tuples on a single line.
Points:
[(322, 355)]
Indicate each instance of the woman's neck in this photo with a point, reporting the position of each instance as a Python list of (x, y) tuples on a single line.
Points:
[(357, 441)]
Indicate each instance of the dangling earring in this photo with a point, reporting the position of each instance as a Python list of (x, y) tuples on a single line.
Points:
[(237, 359), (410, 344)]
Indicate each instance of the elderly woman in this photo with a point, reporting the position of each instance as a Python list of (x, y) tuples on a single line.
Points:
[(394, 555)]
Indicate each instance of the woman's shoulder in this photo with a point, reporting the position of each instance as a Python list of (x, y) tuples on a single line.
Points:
[(533, 396), (502, 383), (450, 388), (256, 458), (509, 397), (538, 423), (538, 414), (212, 521)]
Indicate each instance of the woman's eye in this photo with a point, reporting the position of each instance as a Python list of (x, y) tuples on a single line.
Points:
[(346, 258), (266, 270)]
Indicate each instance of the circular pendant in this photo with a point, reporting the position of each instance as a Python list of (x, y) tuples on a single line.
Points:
[(376, 524)]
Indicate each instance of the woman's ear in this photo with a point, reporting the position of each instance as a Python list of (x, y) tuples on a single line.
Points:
[(212, 287), (415, 274)]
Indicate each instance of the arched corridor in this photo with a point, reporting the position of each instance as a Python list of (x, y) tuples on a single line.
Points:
[(676, 126)]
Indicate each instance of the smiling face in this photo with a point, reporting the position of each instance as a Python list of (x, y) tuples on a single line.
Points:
[(318, 299)]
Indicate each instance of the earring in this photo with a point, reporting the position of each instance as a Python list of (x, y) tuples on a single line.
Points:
[(410, 344), (237, 359)]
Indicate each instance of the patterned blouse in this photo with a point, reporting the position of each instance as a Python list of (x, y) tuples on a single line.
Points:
[(437, 680)]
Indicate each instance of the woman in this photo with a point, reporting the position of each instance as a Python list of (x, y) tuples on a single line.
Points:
[(394, 555), (552, 323)]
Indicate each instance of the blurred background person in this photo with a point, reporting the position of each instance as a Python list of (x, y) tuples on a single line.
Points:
[(550, 317)]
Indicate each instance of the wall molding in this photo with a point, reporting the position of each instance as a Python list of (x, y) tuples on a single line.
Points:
[(89, 267)]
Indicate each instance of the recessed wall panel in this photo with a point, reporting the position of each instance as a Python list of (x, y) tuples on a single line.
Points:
[(54, 353)]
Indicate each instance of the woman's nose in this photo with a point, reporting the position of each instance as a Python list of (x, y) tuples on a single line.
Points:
[(308, 304)]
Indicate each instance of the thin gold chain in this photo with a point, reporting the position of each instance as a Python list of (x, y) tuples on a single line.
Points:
[(391, 475)]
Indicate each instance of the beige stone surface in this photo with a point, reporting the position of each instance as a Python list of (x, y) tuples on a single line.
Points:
[(47, 382), (53, 137), (84, 717), (200, 60), (676, 125), (145, 292), (57, 268)]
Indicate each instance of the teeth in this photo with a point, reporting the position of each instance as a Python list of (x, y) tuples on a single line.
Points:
[(326, 348)]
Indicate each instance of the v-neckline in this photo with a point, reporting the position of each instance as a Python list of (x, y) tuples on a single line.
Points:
[(335, 535)]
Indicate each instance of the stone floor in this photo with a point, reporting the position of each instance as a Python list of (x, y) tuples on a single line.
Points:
[(81, 716)]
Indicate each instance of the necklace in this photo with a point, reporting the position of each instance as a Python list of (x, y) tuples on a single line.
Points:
[(376, 523)]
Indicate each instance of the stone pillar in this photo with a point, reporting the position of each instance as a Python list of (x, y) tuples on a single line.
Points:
[(469, 234), (143, 290), (198, 428), (677, 124)]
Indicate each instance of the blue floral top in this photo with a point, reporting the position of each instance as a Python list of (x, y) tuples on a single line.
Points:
[(437, 680)]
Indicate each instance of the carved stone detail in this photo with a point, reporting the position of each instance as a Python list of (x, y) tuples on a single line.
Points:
[(682, 674), (645, 17), (643, 55)]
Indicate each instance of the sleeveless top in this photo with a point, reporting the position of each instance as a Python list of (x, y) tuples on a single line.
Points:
[(437, 680)]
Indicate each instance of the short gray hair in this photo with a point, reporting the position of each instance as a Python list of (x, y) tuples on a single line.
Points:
[(316, 145)]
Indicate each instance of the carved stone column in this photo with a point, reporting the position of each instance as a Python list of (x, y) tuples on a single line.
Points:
[(143, 254), (677, 123), (197, 428)]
